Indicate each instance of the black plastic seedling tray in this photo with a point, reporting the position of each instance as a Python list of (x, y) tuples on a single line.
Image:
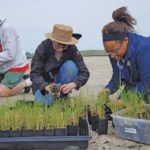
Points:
[(52, 139), (43, 142)]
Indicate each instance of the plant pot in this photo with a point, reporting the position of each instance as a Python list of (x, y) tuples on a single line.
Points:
[(72, 130), (15, 133), (38, 132), (94, 122), (108, 112), (89, 114), (27, 133), (49, 132), (102, 126), (83, 126), (60, 132), (4, 133)]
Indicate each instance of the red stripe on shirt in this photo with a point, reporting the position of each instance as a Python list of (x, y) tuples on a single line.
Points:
[(19, 69)]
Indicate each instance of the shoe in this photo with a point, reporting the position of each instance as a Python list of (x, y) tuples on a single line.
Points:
[(26, 77), (27, 89)]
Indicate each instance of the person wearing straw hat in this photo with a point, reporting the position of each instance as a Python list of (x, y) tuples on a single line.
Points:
[(57, 66)]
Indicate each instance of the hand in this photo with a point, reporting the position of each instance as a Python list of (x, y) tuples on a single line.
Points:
[(117, 102), (52, 89), (66, 88)]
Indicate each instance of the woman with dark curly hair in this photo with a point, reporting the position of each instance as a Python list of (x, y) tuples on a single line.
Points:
[(129, 54)]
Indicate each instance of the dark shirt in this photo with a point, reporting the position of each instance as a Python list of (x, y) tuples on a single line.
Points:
[(44, 63)]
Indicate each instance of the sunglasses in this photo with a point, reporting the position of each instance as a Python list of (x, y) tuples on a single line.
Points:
[(57, 45)]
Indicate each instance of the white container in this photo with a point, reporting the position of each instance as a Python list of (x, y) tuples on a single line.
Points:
[(132, 129)]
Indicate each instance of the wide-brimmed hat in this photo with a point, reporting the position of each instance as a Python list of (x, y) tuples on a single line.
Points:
[(62, 34)]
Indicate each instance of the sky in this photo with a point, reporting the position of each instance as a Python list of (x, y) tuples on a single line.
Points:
[(33, 18)]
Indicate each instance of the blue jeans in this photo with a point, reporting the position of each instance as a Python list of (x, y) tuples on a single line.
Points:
[(67, 73)]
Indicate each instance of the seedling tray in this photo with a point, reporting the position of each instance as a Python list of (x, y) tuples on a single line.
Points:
[(44, 142), (50, 142)]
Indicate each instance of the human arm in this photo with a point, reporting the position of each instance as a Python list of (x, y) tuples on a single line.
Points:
[(114, 82), (37, 67), (83, 73)]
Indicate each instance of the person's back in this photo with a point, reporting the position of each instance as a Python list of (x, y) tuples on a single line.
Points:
[(13, 61), (11, 56)]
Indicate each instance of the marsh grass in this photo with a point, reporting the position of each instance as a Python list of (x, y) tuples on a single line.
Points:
[(25, 116), (134, 105)]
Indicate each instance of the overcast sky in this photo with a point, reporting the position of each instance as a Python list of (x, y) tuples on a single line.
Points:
[(33, 18)]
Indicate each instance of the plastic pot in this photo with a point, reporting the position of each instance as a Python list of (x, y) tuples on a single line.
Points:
[(102, 126), (89, 114), (83, 126), (49, 132), (4, 133), (60, 132), (38, 132), (15, 133), (94, 122), (27, 133), (72, 130)]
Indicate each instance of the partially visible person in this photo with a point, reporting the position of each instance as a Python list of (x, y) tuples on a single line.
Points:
[(13, 61), (129, 54), (57, 63)]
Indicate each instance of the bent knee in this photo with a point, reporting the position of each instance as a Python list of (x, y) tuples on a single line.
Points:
[(68, 66), (4, 91)]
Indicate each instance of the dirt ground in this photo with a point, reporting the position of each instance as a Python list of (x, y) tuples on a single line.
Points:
[(100, 74)]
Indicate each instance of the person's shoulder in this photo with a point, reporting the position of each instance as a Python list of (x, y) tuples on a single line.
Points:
[(140, 45), (7, 28), (46, 42), (73, 48), (137, 36), (44, 47)]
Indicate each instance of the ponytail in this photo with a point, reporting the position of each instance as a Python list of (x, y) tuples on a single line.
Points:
[(123, 22)]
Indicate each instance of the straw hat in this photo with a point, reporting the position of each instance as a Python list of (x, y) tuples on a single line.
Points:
[(62, 34)]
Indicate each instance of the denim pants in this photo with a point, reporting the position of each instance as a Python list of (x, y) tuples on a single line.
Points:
[(67, 73)]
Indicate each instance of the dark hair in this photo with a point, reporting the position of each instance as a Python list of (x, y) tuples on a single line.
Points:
[(123, 22)]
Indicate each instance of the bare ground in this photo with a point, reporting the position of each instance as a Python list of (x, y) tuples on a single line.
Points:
[(100, 71)]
